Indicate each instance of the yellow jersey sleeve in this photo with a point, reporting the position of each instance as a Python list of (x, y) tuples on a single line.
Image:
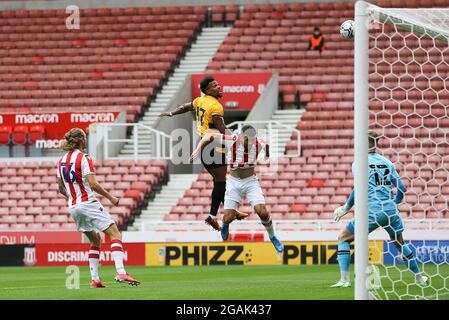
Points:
[(195, 102), (216, 110)]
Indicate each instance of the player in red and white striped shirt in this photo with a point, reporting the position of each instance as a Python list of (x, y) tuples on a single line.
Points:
[(242, 151), (76, 179)]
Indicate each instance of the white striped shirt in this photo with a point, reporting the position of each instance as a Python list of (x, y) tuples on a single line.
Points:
[(73, 168), (236, 156)]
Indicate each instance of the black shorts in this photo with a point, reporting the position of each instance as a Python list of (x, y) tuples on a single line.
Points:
[(211, 158)]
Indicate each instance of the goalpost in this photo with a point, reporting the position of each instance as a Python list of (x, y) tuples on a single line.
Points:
[(401, 91)]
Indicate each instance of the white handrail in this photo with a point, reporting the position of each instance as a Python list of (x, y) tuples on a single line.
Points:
[(161, 141), (246, 226), (270, 124)]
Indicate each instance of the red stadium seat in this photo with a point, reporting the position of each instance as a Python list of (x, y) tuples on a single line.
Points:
[(5, 134), (36, 133), (20, 135)]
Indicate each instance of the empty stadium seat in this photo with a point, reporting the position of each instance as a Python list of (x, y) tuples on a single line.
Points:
[(27, 200), (112, 45), (5, 134)]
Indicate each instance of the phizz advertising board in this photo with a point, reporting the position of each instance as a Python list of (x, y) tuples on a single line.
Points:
[(240, 90), (249, 253)]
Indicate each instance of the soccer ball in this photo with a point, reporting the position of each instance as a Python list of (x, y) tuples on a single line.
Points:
[(347, 29)]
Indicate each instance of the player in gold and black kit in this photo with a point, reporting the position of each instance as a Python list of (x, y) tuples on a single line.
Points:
[(209, 118)]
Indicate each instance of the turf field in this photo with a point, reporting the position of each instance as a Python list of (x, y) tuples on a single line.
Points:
[(188, 283)]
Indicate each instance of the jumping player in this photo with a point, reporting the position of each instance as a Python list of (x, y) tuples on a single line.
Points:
[(209, 118), (242, 151), (383, 212), (76, 180)]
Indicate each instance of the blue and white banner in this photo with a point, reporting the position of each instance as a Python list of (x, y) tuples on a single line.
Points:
[(426, 251)]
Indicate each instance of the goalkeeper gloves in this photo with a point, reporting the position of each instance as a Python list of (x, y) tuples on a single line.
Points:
[(341, 212)]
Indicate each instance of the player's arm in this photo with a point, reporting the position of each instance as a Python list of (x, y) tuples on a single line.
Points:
[(220, 125), (186, 107), (61, 188), (401, 190), (344, 209), (98, 188), (207, 138), (400, 186)]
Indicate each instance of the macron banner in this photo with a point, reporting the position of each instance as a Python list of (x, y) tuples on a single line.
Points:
[(57, 124), (240, 90)]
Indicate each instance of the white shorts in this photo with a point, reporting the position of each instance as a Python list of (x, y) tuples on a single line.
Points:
[(237, 189), (91, 216)]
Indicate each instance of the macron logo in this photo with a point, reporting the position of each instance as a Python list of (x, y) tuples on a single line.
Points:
[(92, 117), (37, 118), (238, 89)]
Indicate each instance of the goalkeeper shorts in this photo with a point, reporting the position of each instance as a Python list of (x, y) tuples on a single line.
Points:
[(391, 223)]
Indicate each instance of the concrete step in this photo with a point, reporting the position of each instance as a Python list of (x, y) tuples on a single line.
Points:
[(191, 64), (131, 151), (157, 105), (193, 70), (285, 111), (201, 53)]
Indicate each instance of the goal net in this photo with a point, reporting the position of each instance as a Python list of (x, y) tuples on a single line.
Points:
[(408, 105)]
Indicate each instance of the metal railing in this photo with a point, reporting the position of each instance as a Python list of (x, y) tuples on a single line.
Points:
[(321, 225), (271, 135), (161, 143)]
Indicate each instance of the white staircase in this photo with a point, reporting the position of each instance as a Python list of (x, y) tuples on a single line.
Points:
[(195, 61), (290, 118), (165, 200)]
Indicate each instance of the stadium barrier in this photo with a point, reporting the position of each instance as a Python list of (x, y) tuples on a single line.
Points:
[(269, 131), (77, 254), (56, 124), (35, 237), (13, 255), (381, 252), (248, 253), (106, 135)]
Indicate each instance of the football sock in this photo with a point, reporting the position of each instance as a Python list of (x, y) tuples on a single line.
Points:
[(94, 258), (118, 256), (344, 259), (268, 224), (218, 193), (410, 259)]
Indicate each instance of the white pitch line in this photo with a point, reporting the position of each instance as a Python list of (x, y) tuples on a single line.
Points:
[(39, 287)]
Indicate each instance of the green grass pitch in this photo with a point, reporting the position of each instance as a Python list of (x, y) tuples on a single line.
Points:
[(189, 283)]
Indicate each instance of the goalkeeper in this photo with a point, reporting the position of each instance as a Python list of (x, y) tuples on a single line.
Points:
[(383, 212)]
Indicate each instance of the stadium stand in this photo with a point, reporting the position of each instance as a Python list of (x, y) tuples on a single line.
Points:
[(29, 197), (125, 67), (274, 37), (113, 63)]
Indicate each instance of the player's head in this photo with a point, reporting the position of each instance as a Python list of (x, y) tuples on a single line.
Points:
[(74, 139), (373, 138), (210, 86), (316, 31)]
